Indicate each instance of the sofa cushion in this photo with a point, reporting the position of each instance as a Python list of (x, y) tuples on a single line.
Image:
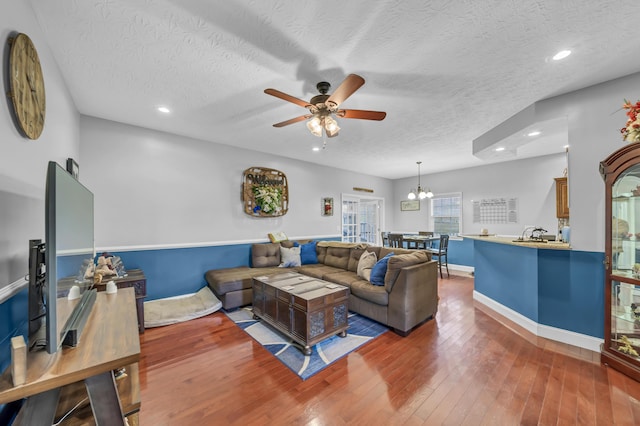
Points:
[(322, 252), (223, 281), (289, 257), (263, 255), (369, 292), (365, 264), (344, 278), (308, 254), (318, 270), (399, 261), (337, 257), (379, 270), (386, 250), (354, 258), (355, 255)]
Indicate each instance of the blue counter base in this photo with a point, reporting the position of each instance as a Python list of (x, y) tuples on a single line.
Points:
[(567, 337), (557, 290)]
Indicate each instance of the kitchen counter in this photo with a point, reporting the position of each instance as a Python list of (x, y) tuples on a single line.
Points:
[(549, 289), (553, 245)]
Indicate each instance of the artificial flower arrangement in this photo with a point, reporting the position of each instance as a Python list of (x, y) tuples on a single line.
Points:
[(631, 131), (268, 199)]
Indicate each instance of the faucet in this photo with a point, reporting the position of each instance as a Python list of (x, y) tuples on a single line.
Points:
[(525, 230), (535, 230), (539, 231)]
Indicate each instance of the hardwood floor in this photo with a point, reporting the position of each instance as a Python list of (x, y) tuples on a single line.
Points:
[(464, 368)]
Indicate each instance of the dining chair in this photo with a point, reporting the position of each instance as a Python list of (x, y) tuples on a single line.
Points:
[(441, 253), (385, 239), (396, 240)]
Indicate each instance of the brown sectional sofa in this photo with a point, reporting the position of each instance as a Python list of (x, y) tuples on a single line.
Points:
[(409, 295)]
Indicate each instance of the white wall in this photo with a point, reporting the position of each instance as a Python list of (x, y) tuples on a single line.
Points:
[(157, 189), (529, 180), (595, 119), (23, 162)]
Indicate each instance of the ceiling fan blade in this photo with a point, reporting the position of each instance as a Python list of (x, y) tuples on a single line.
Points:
[(361, 114), (293, 120), (350, 84), (288, 98)]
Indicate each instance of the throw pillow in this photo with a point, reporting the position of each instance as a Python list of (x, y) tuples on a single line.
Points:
[(366, 262), (379, 270), (289, 257), (308, 254)]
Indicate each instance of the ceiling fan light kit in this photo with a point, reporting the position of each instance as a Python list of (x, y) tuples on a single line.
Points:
[(323, 106), (315, 126), (419, 193)]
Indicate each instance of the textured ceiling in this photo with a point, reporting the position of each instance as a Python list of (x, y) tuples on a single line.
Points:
[(445, 71)]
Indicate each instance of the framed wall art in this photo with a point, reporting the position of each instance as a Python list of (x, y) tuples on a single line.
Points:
[(327, 206), (265, 192), (409, 205)]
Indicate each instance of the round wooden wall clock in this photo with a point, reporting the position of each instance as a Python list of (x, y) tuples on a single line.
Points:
[(27, 86)]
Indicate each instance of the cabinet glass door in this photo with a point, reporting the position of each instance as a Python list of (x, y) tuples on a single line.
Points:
[(625, 263)]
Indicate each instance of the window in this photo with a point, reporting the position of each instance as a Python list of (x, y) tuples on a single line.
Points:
[(446, 214)]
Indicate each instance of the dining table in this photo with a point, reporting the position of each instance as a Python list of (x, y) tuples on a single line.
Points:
[(415, 241)]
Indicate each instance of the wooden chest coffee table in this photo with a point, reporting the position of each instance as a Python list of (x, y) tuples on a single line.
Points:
[(306, 309)]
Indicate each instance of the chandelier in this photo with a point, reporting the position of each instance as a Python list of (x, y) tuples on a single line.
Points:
[(420, 194), (322, 120)]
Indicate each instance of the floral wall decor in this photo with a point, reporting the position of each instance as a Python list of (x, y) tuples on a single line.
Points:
[(265, 192), (327, 206), (631, 130)]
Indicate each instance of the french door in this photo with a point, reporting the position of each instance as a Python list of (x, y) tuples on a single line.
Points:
[(361, 219)]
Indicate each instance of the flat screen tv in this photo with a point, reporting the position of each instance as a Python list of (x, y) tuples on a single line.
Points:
[(68, 252)]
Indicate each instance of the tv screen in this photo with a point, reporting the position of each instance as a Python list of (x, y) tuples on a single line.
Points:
[(69, 240)]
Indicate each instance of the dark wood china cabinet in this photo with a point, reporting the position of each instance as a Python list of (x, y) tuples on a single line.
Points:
[(621, 173)]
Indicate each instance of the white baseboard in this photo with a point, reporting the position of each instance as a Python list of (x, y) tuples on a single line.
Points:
[(462, 268), (552, 333)]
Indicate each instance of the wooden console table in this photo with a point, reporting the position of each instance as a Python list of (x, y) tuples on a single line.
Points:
[(109, 341), (135, 278)]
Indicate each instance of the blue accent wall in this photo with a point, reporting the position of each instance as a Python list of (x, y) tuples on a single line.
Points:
[(173, 272), (559, 288), (13, 322), (508, 275), (461, 252)]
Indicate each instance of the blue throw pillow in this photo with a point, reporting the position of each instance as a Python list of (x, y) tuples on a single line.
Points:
[(308, 254), (379, 270)]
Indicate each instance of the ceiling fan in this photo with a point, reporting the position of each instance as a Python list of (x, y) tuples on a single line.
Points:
[(323, 106)]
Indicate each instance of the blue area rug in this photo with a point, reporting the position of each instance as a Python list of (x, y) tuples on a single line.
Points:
[(361, 330)]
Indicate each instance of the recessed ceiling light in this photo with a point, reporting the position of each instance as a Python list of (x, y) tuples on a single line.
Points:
[(500, 148), (316, 149), (561, 55), (164, 109), (536, 133)]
